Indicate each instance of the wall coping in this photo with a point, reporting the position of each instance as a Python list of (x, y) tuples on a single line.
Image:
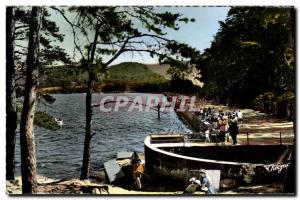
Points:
[(154, 147)]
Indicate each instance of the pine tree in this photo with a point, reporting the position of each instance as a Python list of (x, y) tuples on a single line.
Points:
[(28, 160), (11, 107), (18, 21)]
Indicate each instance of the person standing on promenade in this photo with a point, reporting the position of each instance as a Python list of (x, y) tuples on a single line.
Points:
[(233, 130)]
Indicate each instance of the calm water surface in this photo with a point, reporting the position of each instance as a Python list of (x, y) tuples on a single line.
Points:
[(59, 153)]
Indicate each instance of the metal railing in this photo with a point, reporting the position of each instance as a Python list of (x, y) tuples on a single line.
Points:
[(280, 140), (200, 138)]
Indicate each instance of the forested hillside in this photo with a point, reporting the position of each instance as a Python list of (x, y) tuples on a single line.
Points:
[(123, 76), (251, 61)]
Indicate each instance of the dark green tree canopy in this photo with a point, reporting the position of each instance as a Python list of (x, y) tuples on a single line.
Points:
[(252, 53)]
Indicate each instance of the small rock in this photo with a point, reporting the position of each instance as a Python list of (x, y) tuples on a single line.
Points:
[(228, 183), (86, 182), (9, 191), (96, 191), (17, 182), (101, 176)]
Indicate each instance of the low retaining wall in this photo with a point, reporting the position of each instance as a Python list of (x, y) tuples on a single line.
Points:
[(175, 167), (192, 121)]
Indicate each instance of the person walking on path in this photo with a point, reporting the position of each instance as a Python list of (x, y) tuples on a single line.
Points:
[(240, 116), (222, 133), (233, 130)]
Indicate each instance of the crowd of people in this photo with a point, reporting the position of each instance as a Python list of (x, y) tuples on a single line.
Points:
[(221, 124)]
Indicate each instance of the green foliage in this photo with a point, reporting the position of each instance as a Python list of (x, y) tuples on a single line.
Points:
[(129, 76), (119, 29), (46, 99), (132, 76), (50, 53), (133, 72), (54, 54), (43, 119), (183, 86), (62, 76), (252, 54), (183, 50), (270, 97), (132, 29)]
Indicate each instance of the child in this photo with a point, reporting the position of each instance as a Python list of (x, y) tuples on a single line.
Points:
[(207, 137)]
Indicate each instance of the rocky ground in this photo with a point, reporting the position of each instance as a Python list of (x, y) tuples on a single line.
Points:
[(74, 186)]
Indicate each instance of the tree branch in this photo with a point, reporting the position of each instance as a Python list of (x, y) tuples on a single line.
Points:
[(150, 35), (122, 49), (19, 52), (118, 53), (93, 135), (144, 50), (73, 28), (23, 38), (17, 45), (21, 26)]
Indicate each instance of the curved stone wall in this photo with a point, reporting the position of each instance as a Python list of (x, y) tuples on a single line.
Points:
[(161, 162)]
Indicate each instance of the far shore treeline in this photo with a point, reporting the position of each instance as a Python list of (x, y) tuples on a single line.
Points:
[(123, 77)]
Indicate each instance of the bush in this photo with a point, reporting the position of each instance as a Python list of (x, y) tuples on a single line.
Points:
[(45, 120)]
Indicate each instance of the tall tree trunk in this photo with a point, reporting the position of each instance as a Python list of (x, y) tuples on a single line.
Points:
[(11, 108), (28, 161), (88, 135), (88, 113)]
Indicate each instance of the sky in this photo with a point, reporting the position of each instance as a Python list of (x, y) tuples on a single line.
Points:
[(198, 34)]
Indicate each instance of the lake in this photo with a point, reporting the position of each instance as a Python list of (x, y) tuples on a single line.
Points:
[(59, 153)]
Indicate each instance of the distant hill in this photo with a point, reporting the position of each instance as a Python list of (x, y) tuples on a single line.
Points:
[(127, 76), (135, 72), (160, 69)]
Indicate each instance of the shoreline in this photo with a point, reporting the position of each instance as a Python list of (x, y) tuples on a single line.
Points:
[(251, 117), (49, 186)]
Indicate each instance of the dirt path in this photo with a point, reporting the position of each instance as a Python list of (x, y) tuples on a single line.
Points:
[(261, 128)]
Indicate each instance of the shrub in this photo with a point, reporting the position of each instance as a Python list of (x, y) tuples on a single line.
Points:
[(45, 120)]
